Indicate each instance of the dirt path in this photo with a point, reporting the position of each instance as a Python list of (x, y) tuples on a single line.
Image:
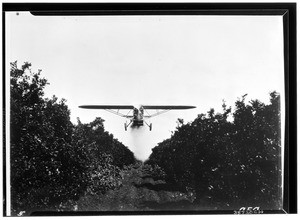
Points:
[(137, 193)]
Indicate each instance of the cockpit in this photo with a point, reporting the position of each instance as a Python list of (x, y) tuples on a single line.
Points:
[(138, 113)]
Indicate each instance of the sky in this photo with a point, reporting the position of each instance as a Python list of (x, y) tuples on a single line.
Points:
[(159, 60)]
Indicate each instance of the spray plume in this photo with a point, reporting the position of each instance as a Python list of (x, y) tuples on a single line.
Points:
[(139, 143)]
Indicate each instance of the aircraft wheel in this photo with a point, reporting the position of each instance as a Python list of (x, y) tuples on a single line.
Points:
[(125, 125), (150, 127)]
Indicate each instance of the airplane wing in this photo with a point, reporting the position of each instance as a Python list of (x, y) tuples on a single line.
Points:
[(111, 108), (107, 106), (160, 109), (168, 107)]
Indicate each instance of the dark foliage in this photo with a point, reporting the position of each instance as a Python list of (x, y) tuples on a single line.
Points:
[(43, 161), (155, 172), (104, 155), (227, 163), (52, 160), (93, 138)]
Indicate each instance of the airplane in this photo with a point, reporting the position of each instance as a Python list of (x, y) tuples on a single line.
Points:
[(137, 118)]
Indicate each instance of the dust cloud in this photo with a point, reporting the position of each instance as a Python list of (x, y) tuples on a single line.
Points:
[(139, 138)]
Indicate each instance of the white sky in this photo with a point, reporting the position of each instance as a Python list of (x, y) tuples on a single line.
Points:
[(180, 60)]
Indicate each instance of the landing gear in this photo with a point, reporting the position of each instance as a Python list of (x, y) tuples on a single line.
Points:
[(126, 125), (137, 124), (149, 125)]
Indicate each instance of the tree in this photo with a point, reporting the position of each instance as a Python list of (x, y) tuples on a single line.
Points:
[(44, 168), (93, 137), (53, 161), (257, 140), (104, 155), (227, 163)]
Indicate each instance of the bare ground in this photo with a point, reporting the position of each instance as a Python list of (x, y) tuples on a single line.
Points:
[(138, 193)]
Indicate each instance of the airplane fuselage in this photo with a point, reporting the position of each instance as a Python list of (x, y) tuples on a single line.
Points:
[(138, 117)]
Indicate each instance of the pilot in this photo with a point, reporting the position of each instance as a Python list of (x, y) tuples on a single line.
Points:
[(142, 110), (135, 111)]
